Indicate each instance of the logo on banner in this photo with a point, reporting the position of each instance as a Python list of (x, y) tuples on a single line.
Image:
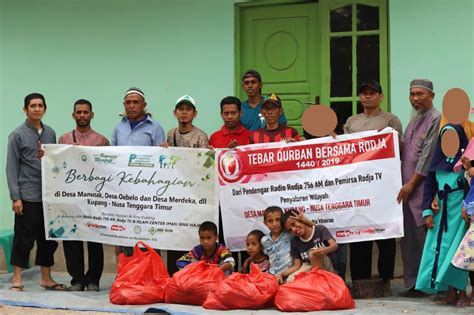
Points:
[(364, 231), (137, 229), (153, 230), (168, 161), (105, 158), (96, 226), (56, 169), (140, 160), (230, 166), (116, 227)]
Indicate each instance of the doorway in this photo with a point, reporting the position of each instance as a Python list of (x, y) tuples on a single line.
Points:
[(314, 52)]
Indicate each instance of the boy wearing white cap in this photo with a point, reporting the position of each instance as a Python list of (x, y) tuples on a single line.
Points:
[(186, 135)]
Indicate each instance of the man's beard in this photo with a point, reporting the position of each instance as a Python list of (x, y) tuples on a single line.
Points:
[(82, 124), (416, 113)]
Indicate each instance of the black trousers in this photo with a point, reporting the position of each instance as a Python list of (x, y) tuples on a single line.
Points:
[(361, 259), (341, 260), (29, 228), (74, 254)]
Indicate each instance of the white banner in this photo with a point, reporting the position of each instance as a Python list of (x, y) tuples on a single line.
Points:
[(120, 195), (349, 184)]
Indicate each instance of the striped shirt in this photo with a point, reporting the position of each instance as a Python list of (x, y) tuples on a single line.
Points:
[(282, 133), (220, 256)]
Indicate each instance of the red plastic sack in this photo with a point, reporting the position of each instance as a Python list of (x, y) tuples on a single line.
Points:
[(192, 284), (243, 291), (314, 291), (141, 278)]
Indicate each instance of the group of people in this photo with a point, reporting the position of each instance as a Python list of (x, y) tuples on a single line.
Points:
[(433, 223)]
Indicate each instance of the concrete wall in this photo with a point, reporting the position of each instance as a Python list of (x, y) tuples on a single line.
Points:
[(97, 49), (430, 39)]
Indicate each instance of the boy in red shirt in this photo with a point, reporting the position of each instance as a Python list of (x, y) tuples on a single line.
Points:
[(273, 131)]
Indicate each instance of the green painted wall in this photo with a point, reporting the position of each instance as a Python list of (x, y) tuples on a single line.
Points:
[(430, 39), (96, 49)]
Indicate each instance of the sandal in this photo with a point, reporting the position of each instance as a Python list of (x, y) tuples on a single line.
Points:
[(55, 287), (463, 302), (17, 288)]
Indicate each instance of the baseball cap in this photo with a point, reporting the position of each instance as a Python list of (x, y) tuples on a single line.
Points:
[(252, 73), (371, 84), (272, 98), (186, 99)]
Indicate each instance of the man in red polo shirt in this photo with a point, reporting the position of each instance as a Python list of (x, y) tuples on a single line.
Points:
[(232, 133)]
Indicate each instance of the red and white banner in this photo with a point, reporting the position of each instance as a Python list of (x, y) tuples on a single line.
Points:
[(349, 184)]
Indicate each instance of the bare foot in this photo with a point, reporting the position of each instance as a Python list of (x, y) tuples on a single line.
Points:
[(451, 299), (446, 301), (463, 300)]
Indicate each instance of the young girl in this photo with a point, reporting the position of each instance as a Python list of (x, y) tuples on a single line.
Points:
[(255, 251), (464, 256)]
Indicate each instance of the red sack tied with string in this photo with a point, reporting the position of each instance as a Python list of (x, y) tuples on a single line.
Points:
[(192, 284), (141, 278), (244, 291), (315, 290)]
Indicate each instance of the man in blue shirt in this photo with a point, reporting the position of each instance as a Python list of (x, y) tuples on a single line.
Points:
[(137, 128), (252, 118)]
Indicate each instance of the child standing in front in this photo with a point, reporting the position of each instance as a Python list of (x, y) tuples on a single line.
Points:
[(310, 247), (464, 256), (277, 244), (255, 251), (209, 250)]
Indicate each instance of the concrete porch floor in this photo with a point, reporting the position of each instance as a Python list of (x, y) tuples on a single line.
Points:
[(110, 262), (387, 305)]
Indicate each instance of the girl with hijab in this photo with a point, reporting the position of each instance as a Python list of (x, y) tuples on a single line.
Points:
[(446, 227)]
